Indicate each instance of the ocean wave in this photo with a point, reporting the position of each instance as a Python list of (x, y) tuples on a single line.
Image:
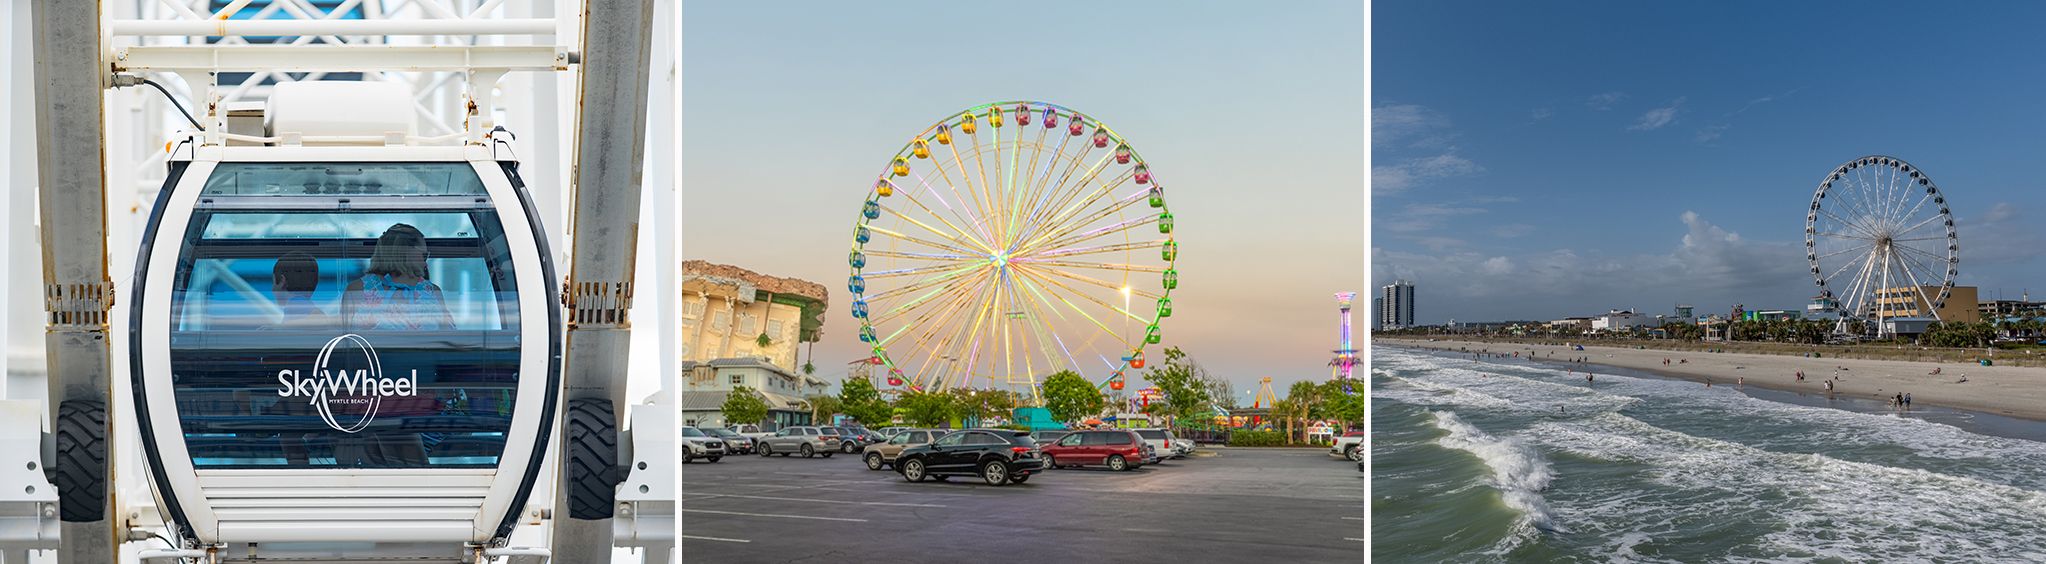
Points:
[(1518, 471), (1819, 506)]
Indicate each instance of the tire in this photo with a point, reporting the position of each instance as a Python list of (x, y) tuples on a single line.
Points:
[(1020, 479), (1117, 463), (994, 472), (913, 470), (593, 473), (686, 455), (1354, 454), (807, 451), (846, 447), (713, 459), (764, 451), (827, 454), (82, 460), (874, 461), (1050, 463)]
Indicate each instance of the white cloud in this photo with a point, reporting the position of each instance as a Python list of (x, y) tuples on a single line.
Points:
[(1543, 113), (1711, 133), (1656, 118), (1390, 179), (1708, 266), (1605, 101), (1409, 125)]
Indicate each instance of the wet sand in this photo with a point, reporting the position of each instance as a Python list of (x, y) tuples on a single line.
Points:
[(2005, 390)]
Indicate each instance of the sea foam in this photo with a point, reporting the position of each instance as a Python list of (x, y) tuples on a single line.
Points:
[(1518, 471)]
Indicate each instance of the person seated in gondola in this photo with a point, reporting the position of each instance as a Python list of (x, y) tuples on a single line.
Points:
[(292, 281), (394, 294)]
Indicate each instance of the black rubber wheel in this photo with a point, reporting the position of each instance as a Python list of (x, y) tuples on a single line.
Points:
[(713, 459), (807, 451), (827, 454), (1116, 463), (994, 472), (1354, 453), (912, 470), (1020, 479), (764, 451), (847, 447), (1050, 463), (81, 460), (593, 473)]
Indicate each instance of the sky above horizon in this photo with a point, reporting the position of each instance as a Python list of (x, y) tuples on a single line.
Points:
[(1254, 117), (1534, 161)]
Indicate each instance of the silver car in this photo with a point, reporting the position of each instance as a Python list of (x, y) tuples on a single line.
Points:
[(805, 440), (698, 444)]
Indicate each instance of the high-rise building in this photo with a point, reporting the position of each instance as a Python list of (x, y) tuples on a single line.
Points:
[(1396, 305), (1377, 313)]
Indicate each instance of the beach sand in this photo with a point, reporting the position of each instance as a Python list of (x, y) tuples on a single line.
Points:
[(2006, 390)]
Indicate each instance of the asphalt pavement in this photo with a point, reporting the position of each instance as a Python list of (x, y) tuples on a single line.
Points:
[(1240, 505)]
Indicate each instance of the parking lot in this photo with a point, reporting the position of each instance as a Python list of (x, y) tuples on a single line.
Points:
[(1238, 505)]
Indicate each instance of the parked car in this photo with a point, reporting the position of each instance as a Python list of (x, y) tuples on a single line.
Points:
[(884, 453), (1048, 437), (1160, 439), (751, 431), (697, 444), (856, 438), (1117, 449), (1350, 445), (1182, 448), (998, 456), (735, 443), (805, 440)]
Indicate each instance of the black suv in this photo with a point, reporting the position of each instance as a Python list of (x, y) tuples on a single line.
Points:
[(999, 456), (856, 438)]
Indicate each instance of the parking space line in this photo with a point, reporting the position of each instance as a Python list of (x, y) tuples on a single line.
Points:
[(1358, 540), (714, 538), (825, 500), (774, 515), (1354, 518)]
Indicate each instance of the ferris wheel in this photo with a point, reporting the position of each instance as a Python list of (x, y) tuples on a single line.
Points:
[(1879, 232), (1008, 242)]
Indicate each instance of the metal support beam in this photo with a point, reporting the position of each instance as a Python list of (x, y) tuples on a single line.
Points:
[(274, 28), (341, 58), (70, 98), (610, 146)]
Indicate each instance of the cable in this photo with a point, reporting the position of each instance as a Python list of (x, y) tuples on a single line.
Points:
[(174, 102)]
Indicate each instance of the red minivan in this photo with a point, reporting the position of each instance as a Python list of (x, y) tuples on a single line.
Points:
[(1118, 450)]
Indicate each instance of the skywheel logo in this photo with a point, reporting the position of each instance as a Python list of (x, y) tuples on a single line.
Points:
[(359, 391)]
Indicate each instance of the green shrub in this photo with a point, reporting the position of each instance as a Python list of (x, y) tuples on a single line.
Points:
[(1248, 438), (1014, 427)]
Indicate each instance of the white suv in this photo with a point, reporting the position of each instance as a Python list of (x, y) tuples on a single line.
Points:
[(1162, 440), (698, 444)]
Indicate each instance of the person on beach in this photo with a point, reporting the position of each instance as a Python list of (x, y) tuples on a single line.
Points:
[(1741, 382), (1800, 375), (1907, 401)]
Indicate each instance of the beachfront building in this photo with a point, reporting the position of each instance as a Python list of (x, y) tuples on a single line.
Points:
[(1823, 308), (2000, 309), (1580, 324), (1396, 305), (1622, 320), (1377, 321), (1911, 301)]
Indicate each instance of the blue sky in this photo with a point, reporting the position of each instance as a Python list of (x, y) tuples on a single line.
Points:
[(1254, 117), (1541, 160)]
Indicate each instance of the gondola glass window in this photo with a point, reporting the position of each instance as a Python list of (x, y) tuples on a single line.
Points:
[(344, 316)]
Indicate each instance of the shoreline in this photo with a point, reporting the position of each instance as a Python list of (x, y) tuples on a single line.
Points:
[(2010, 391)]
